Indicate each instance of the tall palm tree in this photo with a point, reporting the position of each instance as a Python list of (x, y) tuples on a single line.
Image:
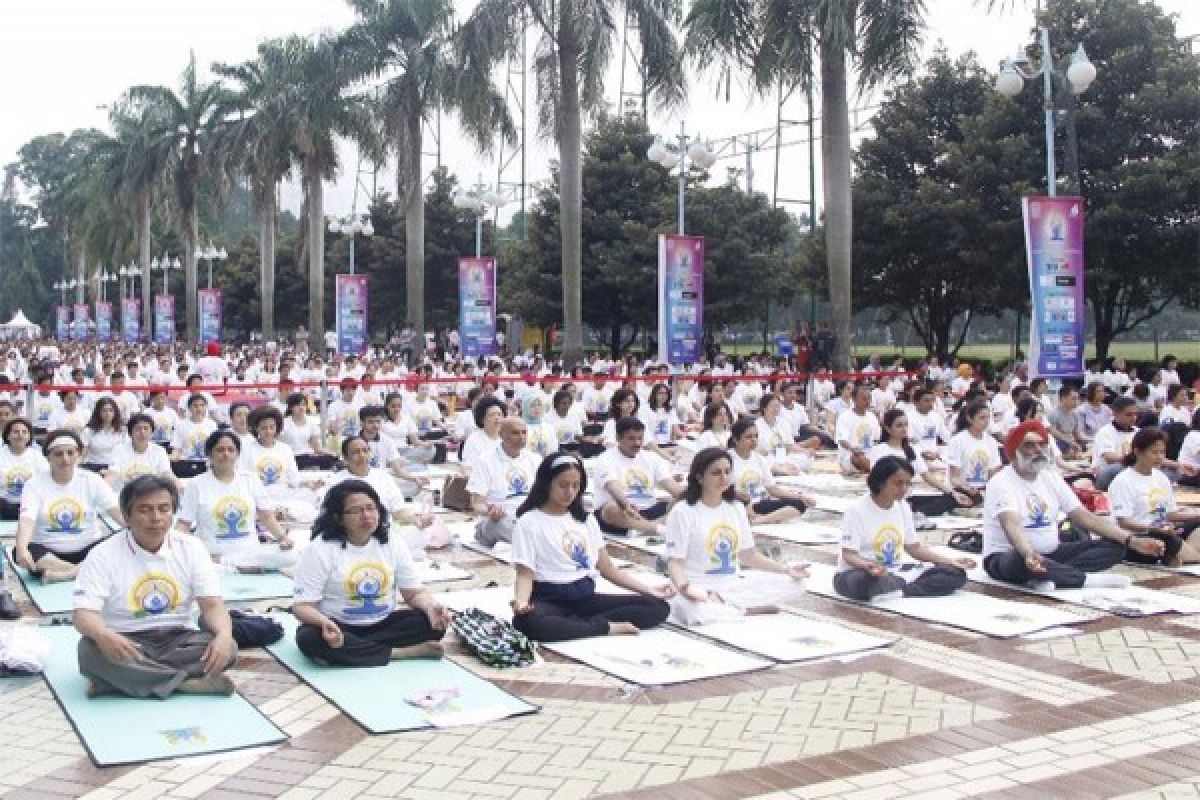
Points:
[(408, 43), (180, 125), (773, 40), (577, 38)]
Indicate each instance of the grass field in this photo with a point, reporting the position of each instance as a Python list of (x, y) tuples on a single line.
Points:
[(1134, 351)]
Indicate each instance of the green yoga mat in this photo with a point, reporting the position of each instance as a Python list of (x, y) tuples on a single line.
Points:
[(128, 730), (56, 598), (8, 528), (377, 698)]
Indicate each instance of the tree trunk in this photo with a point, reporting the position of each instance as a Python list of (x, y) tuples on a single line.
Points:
[(266, 260), (316, 252), (570, 143), (614, 340), (144, 263), (413, 196), (190, 235), (81, 276), (835, 173)]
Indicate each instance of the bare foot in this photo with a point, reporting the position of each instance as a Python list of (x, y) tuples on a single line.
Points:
[(96, 690), (423, 650), (58, 575), (754, 611), (623, 629), (212, 684)]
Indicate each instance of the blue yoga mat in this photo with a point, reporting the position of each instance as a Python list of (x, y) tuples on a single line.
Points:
[(127, 730), (378, 698)]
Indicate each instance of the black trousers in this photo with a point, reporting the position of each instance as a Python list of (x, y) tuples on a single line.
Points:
[(771, 505), (188, 469), (10, 511), (937, 581), (316, 461), (932, 505), (563, 620), (368, 645), (808, 431), (1067, 566)]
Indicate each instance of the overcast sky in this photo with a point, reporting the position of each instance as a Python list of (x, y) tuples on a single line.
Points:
[(61, 60)]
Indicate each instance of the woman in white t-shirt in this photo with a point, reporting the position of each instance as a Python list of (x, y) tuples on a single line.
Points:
[(104, 433), (624, 403), (541, 438), (567, 418), (765, 500), (709, 542), (1143, 503), (263, 455), (225, 505), (19, 462), (1189, 455), (895, 442), (302, 433), (70, 414), (398, 425), (878, 530), (972, 456), (489, 413), (663, 427), (58, 525), (716, 424), (191, 432), (346, 586), (1175, 410), (558, 551), (138, 455)]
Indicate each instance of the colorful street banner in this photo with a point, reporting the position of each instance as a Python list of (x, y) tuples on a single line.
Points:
[(104, 320), (680, 298), (210, 315), (131, 318), (79, 329), (351, 314), (1054, 251), (62, 322), (164, 319), (477, 306)]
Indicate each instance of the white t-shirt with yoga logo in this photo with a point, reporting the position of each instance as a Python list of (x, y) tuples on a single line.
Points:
[(877, 534), (128, 464), (638, 476), (1036, 503), (354, 585), (224, 513), (751, 475), (974, 457), (1145, 499), (16, 471), (502, 480), (709, 540), (273, 466), (64, 515), (190, 437), (559, 549)]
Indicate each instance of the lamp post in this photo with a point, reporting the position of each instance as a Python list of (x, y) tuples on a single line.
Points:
[(479, 199), (103, 276), (165, 265), (352, 226), (211, 254), (698, 153), (1079, 74), (130, 273), (62, 287)]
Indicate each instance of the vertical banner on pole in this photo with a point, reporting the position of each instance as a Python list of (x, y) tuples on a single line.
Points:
[(104, 319), (131, 320), (79, 330), (1054, 251), (62, 323), (210, 315), (477, 306), (680, 298), (164, 318), (351, 314)]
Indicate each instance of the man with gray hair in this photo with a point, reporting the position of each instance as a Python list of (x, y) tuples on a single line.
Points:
[(500, 482), (136, 596)]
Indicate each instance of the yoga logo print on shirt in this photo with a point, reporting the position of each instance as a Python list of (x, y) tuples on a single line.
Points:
[(135, 469), (518, 482), (270, 470), (574, 544), (1156, 504), (886, 544), (195, 443), (43, 411), (862, 434), (976, 468), (15, 478), (423, 419), (232, 515), (752, 484), (349, 422), (161, 435), (722, 545), (637, 482), (153, 594), (367, 583), (537, 443), (1037, 513), (65, 515)]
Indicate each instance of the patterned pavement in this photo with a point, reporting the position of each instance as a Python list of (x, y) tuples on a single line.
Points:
[(1110, 711)]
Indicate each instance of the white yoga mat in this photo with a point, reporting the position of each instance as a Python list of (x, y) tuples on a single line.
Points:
[(641, 542), (801, 532), (1186, 569), (789, 637), (838, 505), (440, 571), (823, 481), (953, 522), (971, 611)]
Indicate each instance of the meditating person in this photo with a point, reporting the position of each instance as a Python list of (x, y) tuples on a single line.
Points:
[(878, 530), (541, 438), (346, 584), (400, 427), (488, 413), (224, 505), (627, 478), (753, 483), (777, 439), (303, 434), (1143, 503), (1094, 414), (663, 427), (1189, 454), (70, 414), (384, 452), (191, 432), (102, 435), (500, 482), (856, 431), (137, 597), (972, 457), (58, 524), (624, 404), (567, 418), (165, 419), (264, 455), (557, 554), (138, 455), (1021, 544), (709, 543), (1113, 441), (19, 462), (926, 424), (715, 422), (356, 455), (897, 443)]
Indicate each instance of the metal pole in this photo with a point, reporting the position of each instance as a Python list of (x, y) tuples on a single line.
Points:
[(353, 236), (479, 233), (682, 173), (1048, 86)]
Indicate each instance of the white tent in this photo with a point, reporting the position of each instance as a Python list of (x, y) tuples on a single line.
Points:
[(19, 327)]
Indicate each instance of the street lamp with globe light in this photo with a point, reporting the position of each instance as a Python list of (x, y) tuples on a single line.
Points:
[(211, 254), (479, 199), (698, 154), (352, 226)]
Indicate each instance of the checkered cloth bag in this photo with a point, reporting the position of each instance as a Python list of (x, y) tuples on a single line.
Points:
[(494, 641)]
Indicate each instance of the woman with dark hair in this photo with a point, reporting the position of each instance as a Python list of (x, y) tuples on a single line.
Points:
[(708, 543), (103, 433), (346, 584), (663, 427), (972, 456), (263, 455), (1094, 414), (70, 413), (895, 442), (239, 420), (138, 455), (1143, 503), (716, 423), (777, 439), (401, 429), (223, 504), (191, 432), (488, 413), (567, 418), (624, 403), (19, 462), (765, 500), (878, 530), (557, 554), (303, 435)]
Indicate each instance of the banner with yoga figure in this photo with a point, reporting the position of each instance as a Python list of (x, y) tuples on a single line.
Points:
[(351, 317), (1054, 252), (477, 306), (680, 298)]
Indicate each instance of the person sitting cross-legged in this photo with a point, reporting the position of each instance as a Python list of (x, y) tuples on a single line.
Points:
[(136, 596), (1020, 524)]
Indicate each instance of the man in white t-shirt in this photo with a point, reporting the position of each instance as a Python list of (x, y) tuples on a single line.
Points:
[(1113, 442), (1021, 508), (856, 431), (136, 596), (627, 478), (501, 481)]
